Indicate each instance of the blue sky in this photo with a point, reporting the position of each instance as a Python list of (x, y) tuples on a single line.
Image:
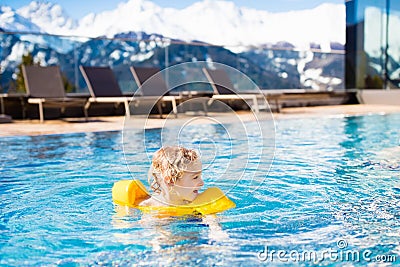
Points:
[(80, 8)]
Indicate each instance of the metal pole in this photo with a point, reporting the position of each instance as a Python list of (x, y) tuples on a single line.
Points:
[(3, 109), (76, 74), (167, 65), (387, 45)]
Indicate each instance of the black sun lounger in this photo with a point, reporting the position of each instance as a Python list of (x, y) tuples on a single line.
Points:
[(45, 88), (152, 87), (224, 90), (103, 87)]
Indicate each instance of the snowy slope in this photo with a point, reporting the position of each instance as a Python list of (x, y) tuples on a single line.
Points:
[(212, 21), (49, 17), (222, 23), (11, 21)]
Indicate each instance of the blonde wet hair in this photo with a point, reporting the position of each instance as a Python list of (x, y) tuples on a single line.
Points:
[(169, 163)]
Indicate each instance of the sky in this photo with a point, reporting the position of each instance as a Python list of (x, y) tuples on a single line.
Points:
[(79, 8)]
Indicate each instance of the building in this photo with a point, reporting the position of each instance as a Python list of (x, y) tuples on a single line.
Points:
[(372, 44)]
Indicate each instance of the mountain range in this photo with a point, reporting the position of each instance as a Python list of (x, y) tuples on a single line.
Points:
[(211, 21), (276, 50)]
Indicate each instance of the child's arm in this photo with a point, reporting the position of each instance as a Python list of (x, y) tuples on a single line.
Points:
[(216, 232)]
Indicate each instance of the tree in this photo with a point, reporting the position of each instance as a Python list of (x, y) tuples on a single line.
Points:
[(26, 60), (68, 86)]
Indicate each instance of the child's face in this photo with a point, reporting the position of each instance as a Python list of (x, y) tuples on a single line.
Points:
[(189, 184)]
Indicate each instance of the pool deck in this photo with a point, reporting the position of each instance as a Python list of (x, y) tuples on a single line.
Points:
[(97, 124)]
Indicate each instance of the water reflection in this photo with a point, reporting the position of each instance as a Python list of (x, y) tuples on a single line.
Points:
[(365, 199), (138, 148), (318, 191), (165, 233)]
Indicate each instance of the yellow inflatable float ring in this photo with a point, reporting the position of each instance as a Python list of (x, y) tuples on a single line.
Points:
[(131, 192)]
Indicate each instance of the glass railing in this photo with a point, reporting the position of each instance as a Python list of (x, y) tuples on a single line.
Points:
[(270, 67), (374, 44)]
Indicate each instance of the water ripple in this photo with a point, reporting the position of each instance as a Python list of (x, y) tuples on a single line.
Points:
[(332, 179)]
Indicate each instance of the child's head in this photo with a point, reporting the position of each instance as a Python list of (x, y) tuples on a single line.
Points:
[(176, 170)]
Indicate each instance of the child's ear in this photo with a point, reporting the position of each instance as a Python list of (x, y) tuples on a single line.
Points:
[(168, 181)]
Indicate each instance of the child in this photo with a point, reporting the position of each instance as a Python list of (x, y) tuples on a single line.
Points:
[(175, 177)]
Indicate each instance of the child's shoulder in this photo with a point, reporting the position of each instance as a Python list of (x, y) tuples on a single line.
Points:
[(150, 202)]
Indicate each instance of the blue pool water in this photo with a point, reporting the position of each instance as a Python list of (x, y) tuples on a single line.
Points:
[(333, 186)]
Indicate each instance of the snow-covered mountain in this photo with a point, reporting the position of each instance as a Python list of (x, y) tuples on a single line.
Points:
[(211, 21), (267, 41), (49, 17), (12, 21)]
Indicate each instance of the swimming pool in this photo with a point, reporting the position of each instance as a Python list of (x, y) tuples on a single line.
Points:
[(333, 186)]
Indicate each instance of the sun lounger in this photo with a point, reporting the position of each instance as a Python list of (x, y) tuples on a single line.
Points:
[(152, 86), (45, 88), (224, 90), (103, 87), (3, 117)]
